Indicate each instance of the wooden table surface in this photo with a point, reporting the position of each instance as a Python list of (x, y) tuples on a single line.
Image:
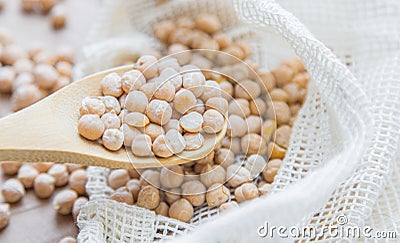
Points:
[(33, 219)]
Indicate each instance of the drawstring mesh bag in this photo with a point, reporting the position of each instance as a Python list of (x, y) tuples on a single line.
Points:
[(342, 159)]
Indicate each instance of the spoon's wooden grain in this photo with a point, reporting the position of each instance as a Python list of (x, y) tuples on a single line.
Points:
[(47, 131)]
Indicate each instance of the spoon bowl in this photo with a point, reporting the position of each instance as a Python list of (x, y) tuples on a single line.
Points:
[(47, 131)]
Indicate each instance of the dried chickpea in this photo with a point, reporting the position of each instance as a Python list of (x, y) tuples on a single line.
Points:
[(301, 79), (264, 189), (165, 91), (136, 119), (282, 136), (191, 122), (168, 62), (254, 124), (129, 134), (24, 65), (217, 103), (247, 89), (160, 147), (194, 82), (64, 68), (223, 40), (118, 178), (217, 194), (12, 53), (132, 80), (208, 23), (113, 139), (271, 170), (235, 145), (148, 66), (90, 127), (134, 186), (211, 89), (122, 195), (199, 107), (62, 81), (173, 76), (76, 208), (172, 124), (245, 192), (224, 157), (185, 22), (4, 215), (181, 210), (258, 107), (150, 177), (44, 185), (92, 105), (60, 174), (212, 174), (267, 80), (180, 52), (22, 79), (111, 120), (175, 141), (159, 111), (283, 75), (27, 174), (237, 175), (240, 107), (268, 129), (7, 76), (111, 85), (58, 16), (45, 76), (25, 96), (42, 167), (149, 197), (231, 55), (226, 90), (10, 167), (193, 140), (171, 176), (12, 191), (200, 61), (228, 206), (281, 110), (173, 195), (279, 95), (163, 29), (136, 101), (275, 151), (255, 164), (194, 191), (213, 121), (64, 201), (237, 126), (253, 143), (111, 103), (181, 35), (68, 239), (77, 181), (162, 209), (296, 64), (141, 145), (184, 100), (153, 130)]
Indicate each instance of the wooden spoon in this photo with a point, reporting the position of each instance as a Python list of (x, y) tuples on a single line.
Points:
[(47, 131)]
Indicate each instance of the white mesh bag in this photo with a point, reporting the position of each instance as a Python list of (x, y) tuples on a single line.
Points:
[(342, 158)]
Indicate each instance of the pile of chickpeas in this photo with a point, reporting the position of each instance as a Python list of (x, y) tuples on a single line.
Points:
[(43, 178), (30, 74), (261, 110), (155, 114)]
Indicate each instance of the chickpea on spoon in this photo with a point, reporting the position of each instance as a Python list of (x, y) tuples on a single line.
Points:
[(48, 131)]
